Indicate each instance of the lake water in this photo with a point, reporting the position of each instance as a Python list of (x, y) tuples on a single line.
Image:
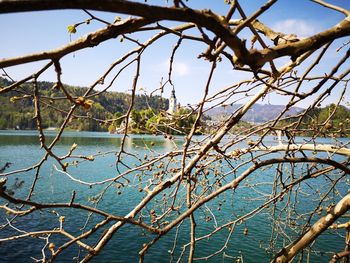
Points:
[(21, 148)]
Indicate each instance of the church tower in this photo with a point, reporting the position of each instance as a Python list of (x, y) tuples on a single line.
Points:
[(172, 103)]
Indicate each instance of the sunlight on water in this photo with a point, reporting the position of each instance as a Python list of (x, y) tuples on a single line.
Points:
[(22, 150)]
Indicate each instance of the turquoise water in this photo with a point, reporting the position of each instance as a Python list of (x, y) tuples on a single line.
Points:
[(22, 150)]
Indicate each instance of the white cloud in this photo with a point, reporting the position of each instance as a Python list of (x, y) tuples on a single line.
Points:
[(300, 27), (181, 69)]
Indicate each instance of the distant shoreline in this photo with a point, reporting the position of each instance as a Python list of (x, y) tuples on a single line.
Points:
[(149, 134)]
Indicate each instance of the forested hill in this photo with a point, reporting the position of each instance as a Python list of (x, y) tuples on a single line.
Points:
[(331, 120), (17, 110)]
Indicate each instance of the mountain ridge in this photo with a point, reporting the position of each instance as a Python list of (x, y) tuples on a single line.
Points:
[(258, 113)]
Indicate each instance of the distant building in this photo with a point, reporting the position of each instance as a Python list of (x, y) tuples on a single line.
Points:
[(172, 103)]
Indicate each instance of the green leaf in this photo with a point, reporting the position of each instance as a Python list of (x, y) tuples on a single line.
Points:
[(72, 29)]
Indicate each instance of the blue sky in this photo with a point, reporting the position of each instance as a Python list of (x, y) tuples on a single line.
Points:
[(24, 33)]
